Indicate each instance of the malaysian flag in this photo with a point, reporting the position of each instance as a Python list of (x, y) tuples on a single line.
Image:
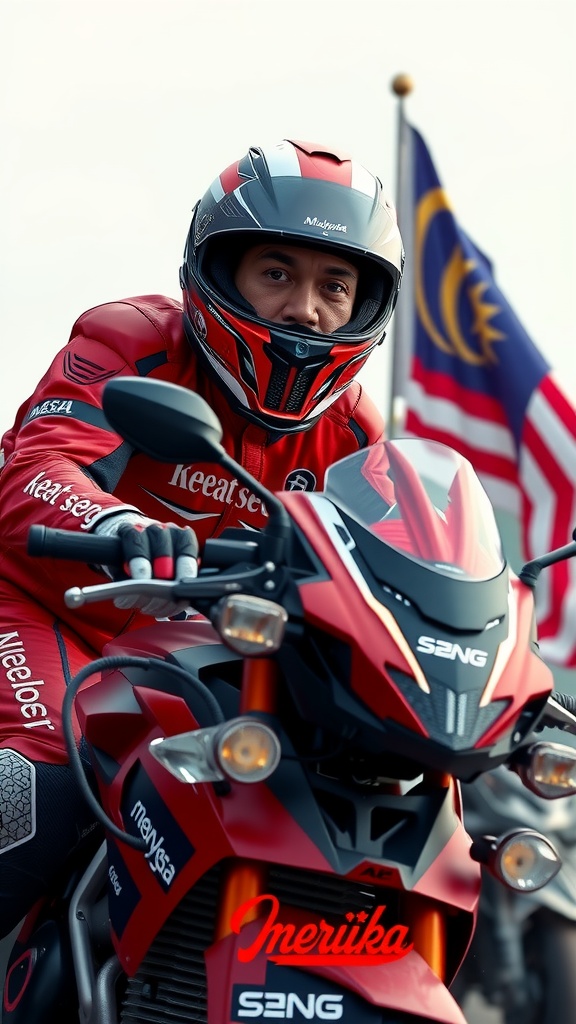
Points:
[(471, 377)]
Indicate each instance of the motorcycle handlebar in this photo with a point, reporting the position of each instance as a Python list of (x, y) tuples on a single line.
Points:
[(566, 700), (250, 576), (559, 713), (45, 542)]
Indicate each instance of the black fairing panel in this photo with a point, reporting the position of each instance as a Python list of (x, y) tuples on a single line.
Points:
[(459, 604)]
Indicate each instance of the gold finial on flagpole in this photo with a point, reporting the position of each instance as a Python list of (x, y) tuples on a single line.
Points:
[(402, 84)]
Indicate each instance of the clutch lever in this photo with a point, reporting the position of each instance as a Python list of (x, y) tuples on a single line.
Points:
[(559, 713)]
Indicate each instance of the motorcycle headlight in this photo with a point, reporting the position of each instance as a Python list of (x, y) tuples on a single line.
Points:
[(243, 750), (251, 625), (549, 770), (523, 860)]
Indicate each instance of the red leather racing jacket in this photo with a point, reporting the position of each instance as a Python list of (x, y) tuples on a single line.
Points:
[(65, 467)]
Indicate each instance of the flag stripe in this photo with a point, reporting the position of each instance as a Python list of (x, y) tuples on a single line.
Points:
[(446, 386), (483, 462), (443, 414)]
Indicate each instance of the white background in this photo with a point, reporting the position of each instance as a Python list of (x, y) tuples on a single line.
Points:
[(115, 115)]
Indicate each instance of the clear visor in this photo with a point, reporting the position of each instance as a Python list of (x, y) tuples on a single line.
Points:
[(423, 499)]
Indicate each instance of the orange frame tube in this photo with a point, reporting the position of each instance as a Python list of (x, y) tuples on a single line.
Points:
[(259, 682), (245, 879), (427, 929)]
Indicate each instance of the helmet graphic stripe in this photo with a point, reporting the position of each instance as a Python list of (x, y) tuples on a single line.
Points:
[(282, 161), (317, 164), (240, 198), (217, 190), (363, 181), (230, 179)]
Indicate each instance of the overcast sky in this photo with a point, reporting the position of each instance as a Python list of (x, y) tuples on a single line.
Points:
[(115, 115)]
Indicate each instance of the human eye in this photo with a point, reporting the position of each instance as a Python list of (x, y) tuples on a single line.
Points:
[(276, 274), (337, 288)]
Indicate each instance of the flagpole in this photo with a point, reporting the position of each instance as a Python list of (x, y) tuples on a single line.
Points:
[(402, 85)]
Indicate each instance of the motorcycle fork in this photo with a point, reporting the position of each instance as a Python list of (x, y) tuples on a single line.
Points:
[(245, 879), (425, 919), (427, 930)]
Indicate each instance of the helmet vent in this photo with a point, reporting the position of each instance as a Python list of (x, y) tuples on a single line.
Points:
[(301, 385), (277, 383), (286, 383), (246, 363)]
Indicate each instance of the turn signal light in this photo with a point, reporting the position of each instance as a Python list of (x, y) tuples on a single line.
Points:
[(248, 751), (523, 860), (549, 770), (251, 625), (244, 750)]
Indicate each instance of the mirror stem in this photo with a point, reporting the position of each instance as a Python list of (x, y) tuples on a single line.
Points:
[(278, 529)]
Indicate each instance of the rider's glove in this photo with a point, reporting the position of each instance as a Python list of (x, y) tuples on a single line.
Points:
[(151, 550)]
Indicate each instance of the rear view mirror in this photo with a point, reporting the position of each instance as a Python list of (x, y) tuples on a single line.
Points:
[(165, 421)]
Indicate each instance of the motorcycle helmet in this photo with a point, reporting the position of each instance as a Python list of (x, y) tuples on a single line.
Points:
[(283, 376)]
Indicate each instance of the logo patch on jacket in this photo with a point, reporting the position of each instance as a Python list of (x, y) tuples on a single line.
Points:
[(300, 480), (81, 370)]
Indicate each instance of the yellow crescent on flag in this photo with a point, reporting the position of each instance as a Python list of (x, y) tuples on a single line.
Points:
[(448, 335)]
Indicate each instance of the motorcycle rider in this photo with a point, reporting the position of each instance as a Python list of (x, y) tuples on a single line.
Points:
[(290, 275)]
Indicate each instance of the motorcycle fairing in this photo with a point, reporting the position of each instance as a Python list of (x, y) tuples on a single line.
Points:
[(459, 710), (248, 822), (404, 991), (259, 822), (114, 697), (196, 818), (406, 832), (123, 893), (224, 827)]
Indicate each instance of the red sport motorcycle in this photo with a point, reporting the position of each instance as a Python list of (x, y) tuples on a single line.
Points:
[(277, 776)]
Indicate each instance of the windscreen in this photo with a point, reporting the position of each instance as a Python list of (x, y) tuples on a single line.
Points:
[(423, 499)]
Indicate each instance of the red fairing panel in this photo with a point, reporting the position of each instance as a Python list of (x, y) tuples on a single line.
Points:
[(407, 985), (215, 829)]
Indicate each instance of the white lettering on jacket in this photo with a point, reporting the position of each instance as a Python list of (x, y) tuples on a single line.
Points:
[(55, 406), (220, 489), (51, 491), (26, 690)]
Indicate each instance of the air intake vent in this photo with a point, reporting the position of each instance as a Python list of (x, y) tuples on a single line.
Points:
[(171, 982)]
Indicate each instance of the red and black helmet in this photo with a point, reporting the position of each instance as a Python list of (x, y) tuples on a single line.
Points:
[(284, 376)]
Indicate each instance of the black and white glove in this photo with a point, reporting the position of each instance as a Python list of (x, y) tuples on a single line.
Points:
[(151, 550)]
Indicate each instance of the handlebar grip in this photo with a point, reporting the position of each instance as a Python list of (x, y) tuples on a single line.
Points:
[(45, 542), (565, 700)]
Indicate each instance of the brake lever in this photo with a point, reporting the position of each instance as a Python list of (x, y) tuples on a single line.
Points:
[(190, 588), (557, 717)]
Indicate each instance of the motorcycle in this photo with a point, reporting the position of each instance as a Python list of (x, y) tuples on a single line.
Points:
[(277, 777), (523, 954)]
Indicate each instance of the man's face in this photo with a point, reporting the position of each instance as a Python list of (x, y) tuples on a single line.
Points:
[(291, 284)]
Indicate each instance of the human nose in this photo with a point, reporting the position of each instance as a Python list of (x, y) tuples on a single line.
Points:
[(301, 307)]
